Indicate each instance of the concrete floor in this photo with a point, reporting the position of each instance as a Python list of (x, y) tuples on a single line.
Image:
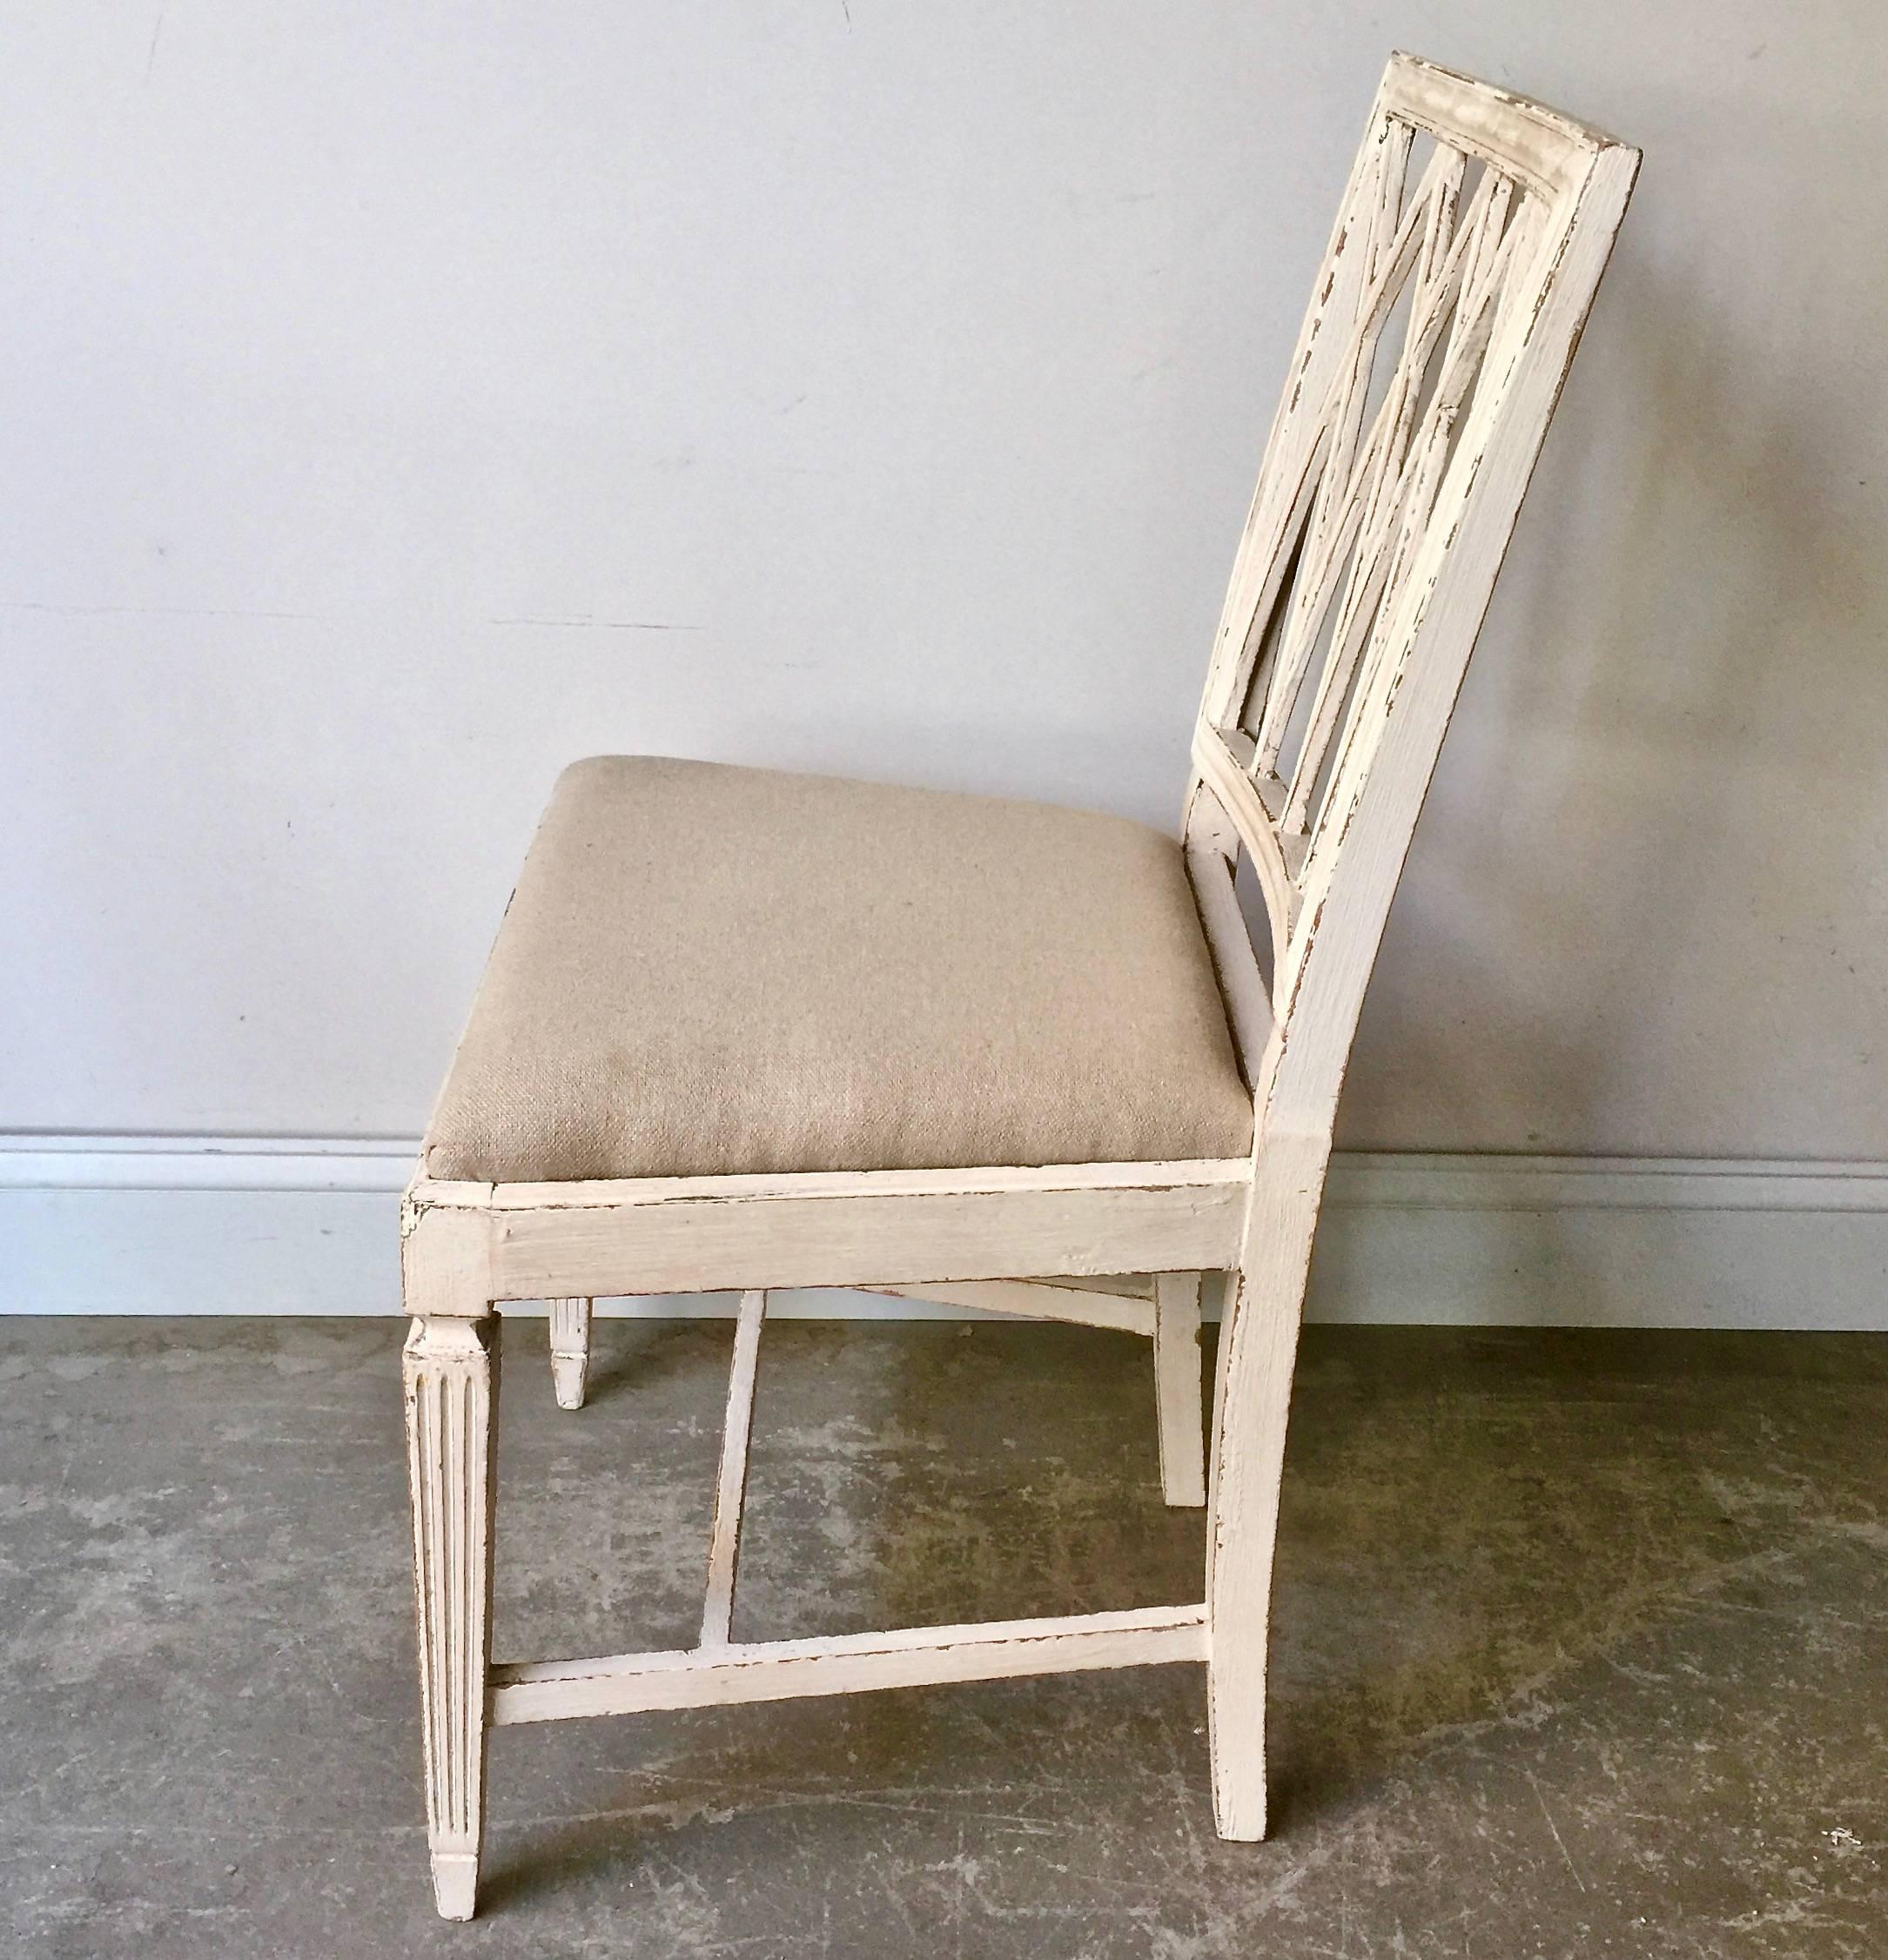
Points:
[(1581, 1648)]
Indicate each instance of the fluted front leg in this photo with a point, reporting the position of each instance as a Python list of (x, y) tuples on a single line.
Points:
[(451, 1370), (570, 1350)]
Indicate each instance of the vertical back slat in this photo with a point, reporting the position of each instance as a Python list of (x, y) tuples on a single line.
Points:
[(1432, 312), (1289, 477), (1334, 516)]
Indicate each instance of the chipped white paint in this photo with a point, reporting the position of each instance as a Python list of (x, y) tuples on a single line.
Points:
[(848, 1228), (1366, 564), (451, 1376), (731, 1479), (846, 1664), (1359, 585), (1183, 1459), (570, 1349)]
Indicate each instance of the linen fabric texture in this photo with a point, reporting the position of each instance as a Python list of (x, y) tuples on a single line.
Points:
[(710, 969)]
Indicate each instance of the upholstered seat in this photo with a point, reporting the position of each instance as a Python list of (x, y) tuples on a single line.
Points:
[(709, 970)]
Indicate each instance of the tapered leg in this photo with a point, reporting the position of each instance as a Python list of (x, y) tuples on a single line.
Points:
[(1252, 1399), (452, 1391), (570, 1350), (1183, 1459)]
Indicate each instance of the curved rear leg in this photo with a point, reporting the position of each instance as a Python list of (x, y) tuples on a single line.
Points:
[(1252, 1400)]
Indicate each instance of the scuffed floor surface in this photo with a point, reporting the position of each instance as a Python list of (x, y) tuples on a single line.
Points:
[(1582, 1649)]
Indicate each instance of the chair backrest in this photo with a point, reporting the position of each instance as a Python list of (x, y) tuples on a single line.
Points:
[(1472, 235)]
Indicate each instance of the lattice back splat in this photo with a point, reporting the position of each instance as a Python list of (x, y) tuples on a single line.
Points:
[(1472, 230)]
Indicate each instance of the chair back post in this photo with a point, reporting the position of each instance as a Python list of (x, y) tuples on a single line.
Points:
[(1470, 241), (1370, 553)]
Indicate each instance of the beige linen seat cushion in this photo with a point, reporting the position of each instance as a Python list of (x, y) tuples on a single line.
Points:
[(708, 970)]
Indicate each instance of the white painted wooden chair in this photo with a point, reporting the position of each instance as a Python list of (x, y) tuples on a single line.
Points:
[(745, 1031)]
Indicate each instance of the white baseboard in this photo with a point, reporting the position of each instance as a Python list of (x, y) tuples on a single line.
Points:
[(230, 1224)]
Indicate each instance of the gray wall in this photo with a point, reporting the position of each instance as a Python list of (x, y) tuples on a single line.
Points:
[(400, 401)]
